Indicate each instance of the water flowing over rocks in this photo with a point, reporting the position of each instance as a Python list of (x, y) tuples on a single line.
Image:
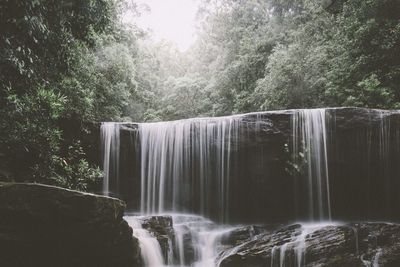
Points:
[(219, 176), (161, 228), (49, 226), (195, 241), (348, 244)]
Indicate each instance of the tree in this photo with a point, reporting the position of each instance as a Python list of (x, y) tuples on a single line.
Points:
[(51, 80)]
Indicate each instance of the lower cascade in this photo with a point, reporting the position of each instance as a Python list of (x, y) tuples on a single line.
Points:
[(149, 246), (218, 191), (188, 240)]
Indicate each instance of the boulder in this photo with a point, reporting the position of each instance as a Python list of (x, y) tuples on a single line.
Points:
[(43, 225)]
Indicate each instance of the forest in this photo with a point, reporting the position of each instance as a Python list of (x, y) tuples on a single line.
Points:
[(66, 65)]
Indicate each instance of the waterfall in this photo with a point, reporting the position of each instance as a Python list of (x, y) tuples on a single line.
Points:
[(309, 150), (149, 246), (109, 135), (207, 245), (268, 164), (385, 156), (190, 231), (185, 165)]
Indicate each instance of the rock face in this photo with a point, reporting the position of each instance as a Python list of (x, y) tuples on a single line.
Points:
[(49, 226), (352, 244)]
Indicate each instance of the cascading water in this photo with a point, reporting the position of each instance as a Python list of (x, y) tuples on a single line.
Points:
[(297, 243), (110, 144), (310, 147), (197, 166), (384, 155), (310, 156), (149, 246), (192, 232), (185, 165)]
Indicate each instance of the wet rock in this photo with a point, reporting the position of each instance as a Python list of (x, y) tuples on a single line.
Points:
[(379, 243), (242, 234), (49, 226), (353, 244)]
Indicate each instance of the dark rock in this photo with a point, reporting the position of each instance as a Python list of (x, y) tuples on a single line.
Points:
[(353, 244), (242, 234), (49, 226)]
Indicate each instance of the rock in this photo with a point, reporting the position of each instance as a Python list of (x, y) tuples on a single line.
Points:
[(242, 234), (49, 226), (352, 244), (257, 251)]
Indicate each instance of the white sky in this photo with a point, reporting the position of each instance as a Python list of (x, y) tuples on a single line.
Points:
[(172, 20)]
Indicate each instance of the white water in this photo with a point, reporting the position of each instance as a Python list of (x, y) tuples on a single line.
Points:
[(297, 244), (109, 132), (310, 147), (374, 262), (274, 256), (171, 151), (208, 246), (149, 247), (180, 231), (205, 237), (202, 235)]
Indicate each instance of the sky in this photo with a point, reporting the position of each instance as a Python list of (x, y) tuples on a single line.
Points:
[(172, 20)]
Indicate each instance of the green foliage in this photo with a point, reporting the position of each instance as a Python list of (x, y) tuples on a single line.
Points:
[(281, 54), (365, 70), (73, 171), (371, 93), (62, 64), (101, 83), (184, 99), (30, 138)]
